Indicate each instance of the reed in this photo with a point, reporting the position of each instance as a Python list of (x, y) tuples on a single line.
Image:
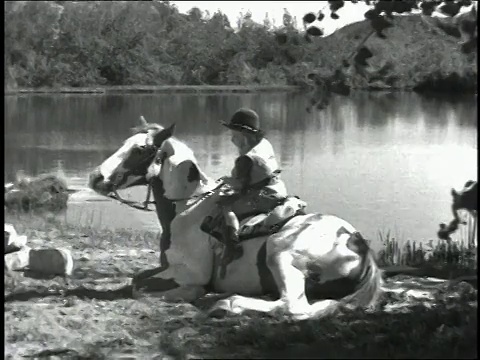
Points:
[(458, 253)]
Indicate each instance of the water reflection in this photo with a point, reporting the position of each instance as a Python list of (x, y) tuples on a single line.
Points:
[(379, 160)]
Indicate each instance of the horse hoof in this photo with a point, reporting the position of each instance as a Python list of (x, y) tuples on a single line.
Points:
[(291, 318), (135, 293), (220, 309), (218, 313)]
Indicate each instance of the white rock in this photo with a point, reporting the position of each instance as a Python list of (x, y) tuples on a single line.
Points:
[(39, 242), (432, 279), (10, 234), (10, 229), (182, 333), (125, 252), (12, 241), (17, 244), (9, 186), (148, 251), (17, 260), (419, 294), (51, 261)]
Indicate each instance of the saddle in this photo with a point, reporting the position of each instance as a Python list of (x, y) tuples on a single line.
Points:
[(256, 225)]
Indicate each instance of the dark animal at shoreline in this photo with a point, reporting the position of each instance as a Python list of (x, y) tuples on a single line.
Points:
[(465, 199)]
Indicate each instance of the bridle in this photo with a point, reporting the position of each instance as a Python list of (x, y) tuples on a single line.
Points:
[(144, 205), (135, 204), (201, 196)]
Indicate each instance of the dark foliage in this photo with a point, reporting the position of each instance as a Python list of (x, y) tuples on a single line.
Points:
[(309, 18), (381, 17), (82, 44)]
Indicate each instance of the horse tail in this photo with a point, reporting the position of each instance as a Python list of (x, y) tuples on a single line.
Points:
[(369, 288)]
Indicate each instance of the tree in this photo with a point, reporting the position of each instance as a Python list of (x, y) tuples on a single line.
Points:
[(195, 15), (380, 16), (151, 43)]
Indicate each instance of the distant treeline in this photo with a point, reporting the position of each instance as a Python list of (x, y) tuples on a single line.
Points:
[(95, 43)]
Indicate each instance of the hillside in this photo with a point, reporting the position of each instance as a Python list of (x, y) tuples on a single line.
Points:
[(416, 53), (77, 44)]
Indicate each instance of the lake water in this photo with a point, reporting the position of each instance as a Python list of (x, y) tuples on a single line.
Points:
[(381, 161)]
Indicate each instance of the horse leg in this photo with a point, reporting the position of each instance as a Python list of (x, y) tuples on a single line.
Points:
[(291, 283), (175, 282), (237, 304), (293, 300), (145, 274), (186, 293)]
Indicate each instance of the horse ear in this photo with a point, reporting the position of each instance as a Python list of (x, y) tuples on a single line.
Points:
[(143, 122), (454, 193), (140, 128), (171, 129), (163, 135)]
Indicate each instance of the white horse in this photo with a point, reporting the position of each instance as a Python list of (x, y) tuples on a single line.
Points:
[(294, 264)]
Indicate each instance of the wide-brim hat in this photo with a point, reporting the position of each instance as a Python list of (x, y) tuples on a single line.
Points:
[(244, 119)]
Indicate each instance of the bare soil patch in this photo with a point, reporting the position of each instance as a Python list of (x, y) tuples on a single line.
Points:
[(93, 315)]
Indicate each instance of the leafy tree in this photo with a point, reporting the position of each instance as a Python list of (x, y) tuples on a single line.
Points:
[(381, 16), (63, 43)]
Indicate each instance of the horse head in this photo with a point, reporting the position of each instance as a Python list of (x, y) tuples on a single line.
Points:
[(128, 166)]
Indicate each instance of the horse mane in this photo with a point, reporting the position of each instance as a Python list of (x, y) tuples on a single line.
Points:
[(174, 146), (142, 129), (178, 152)]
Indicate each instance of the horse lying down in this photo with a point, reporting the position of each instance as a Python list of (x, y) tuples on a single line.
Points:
[(291, 263), (465, 199)]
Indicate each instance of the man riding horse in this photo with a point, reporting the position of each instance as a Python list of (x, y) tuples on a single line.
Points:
[(295, 254), (254, 185)]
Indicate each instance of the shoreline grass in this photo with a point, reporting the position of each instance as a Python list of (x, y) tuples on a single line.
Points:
[(439, 258), (156, 89), (205, 89)]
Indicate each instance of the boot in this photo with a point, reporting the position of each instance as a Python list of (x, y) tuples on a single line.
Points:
[(232, 243), (233, 249)]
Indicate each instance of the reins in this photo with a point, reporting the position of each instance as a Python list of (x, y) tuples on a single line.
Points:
[(134, 204), (144, 206)]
